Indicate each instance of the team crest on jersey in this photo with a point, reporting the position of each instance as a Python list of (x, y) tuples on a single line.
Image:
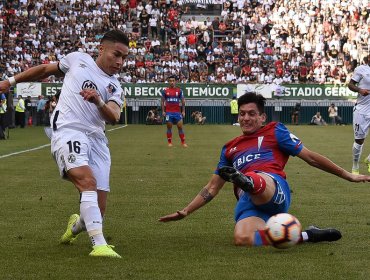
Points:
[(89, 85), (111, 88), (71, 158)]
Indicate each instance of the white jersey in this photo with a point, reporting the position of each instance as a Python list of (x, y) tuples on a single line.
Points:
[(361, 75), (72, 111)]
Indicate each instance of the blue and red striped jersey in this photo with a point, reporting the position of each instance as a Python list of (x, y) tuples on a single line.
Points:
[(267, 150), (172, 97)]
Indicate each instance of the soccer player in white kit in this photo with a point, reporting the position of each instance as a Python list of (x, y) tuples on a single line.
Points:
[(360, 82), (90, 96)]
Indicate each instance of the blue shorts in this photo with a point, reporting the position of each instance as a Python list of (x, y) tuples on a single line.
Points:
[(279, 203), (173, 117)]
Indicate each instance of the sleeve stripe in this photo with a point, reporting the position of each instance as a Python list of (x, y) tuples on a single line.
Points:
[(114, 102), (59, 68)]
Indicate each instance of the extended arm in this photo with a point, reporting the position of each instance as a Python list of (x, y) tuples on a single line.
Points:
[(33, 74), (202, 198), (325, 164)]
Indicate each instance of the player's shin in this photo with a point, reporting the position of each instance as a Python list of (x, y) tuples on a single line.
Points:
[(356, 154), (169, 136), (182, 136), (90, 214), (259, 183)]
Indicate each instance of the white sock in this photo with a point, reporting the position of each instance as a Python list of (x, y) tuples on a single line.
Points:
[(356, 154), (90, 214), (304, 236)]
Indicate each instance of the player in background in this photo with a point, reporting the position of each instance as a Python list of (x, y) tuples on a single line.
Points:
[(90, 96), (172, 111), (360, 83), (254, 162)]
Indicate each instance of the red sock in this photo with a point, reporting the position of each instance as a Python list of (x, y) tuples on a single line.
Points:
[(169, 136), (258, 181), (182, 137), (260, 238)]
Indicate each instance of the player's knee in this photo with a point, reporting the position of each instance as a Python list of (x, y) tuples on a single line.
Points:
[(243, 240), (87, 184)]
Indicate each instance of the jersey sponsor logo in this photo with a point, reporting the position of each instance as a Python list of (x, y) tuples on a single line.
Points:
[(82, 65), (246, 159), (71, 158), (172, 99), (89, 85)]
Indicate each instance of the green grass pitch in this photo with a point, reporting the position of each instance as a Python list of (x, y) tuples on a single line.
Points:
[(149, 180)]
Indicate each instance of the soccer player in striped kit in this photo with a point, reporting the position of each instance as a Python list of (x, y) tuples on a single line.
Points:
[(172, 111), (254, 162)]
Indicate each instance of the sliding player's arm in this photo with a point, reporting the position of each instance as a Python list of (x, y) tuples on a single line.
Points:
[(202, 198)]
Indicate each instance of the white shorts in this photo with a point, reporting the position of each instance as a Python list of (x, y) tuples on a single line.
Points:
[(72, 148), (361, 123)]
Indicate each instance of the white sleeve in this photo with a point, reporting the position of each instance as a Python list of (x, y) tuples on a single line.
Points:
[(357, 75), (117, 94), (66, 62)]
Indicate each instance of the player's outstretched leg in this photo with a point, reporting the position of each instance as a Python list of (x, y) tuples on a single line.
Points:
[(91, 215), (234, 176), (69, 237), (316, 234)]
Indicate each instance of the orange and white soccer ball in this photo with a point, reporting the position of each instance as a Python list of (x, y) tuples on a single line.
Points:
[(283, 230)]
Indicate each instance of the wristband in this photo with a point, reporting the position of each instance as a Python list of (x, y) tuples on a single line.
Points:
[(12, 81), (101, 103)]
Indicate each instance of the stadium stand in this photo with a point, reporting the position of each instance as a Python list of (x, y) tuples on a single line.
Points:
[(238, 41)]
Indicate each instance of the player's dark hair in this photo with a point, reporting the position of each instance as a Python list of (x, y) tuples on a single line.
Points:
[(115, 36), (252, 97), (172, 77)]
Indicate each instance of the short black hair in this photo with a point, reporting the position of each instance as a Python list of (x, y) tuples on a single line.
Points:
[(252, 97), (172, 77), (115, 35)]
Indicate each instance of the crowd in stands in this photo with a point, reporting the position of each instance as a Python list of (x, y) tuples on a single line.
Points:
[(261, 41)]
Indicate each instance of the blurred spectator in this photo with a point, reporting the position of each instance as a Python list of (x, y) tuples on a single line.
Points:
[(153, 117), (335, 119), (198, 117), (40, 110), (20, 108), (295, 113), (312, 41), (317, 119), (3, 109)]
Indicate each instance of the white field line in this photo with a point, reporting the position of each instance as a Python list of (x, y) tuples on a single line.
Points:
[(46, 145)]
